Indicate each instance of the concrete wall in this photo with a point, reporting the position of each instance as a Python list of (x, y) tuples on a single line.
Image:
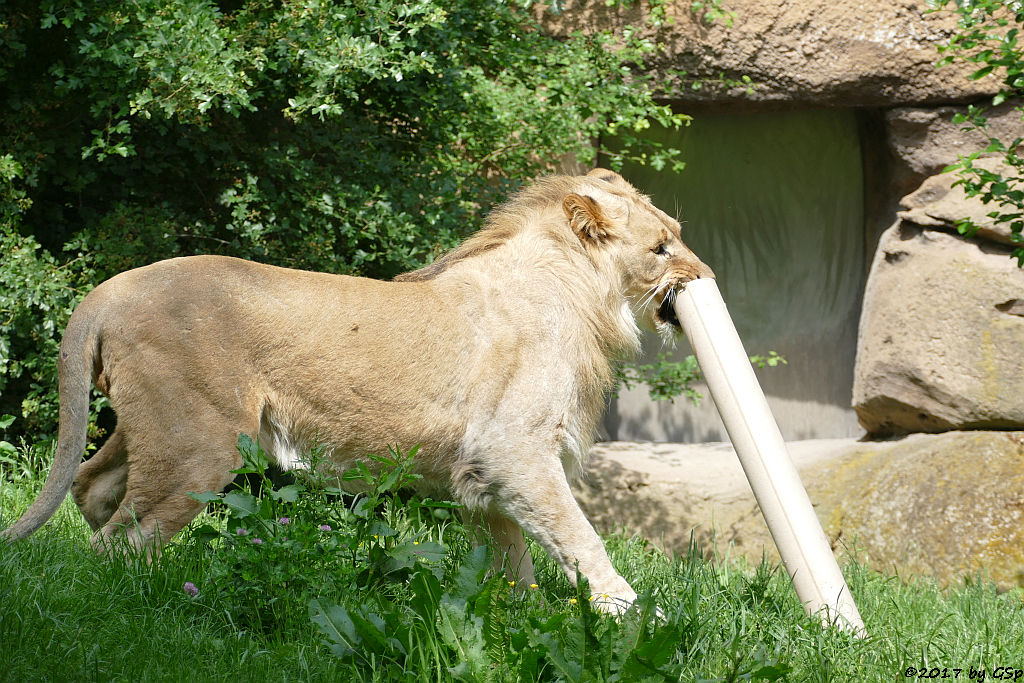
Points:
[(774, 203)]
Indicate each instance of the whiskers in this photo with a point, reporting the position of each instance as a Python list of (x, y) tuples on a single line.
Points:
[(663, 293), (648, 297)]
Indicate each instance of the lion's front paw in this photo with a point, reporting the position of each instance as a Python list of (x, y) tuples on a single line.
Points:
[(611, 604), (617, 606)]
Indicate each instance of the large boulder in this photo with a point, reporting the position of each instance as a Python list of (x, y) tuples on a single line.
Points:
[(941, 333), (947, 506), (824, 52), (941, 339)]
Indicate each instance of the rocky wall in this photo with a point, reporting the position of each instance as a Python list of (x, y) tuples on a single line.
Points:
[(809, 53)]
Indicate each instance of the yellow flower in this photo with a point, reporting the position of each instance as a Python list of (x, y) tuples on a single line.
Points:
[(511, 583), (572, 601), (534, 586)]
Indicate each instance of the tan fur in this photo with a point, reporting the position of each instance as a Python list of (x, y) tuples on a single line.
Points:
[(496, 359)]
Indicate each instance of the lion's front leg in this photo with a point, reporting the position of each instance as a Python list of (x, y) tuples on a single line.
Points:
[(543, 505)]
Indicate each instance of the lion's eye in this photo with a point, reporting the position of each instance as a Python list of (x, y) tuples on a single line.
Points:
[(661, 250)]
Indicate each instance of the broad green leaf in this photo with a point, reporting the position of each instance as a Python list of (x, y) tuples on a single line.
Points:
[(463, 633), (242, 504), (288, 494), (334, 622), (426, 590), (469, 579), (205, 496), (407, 555), (373, 633)]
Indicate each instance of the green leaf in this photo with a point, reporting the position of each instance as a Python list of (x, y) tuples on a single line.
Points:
[(241, 504), (409, 554), (334, 622), (651, 655), (982, 72), (288, 494), (463, 633), (426, 591), (469, 579), (205, 497), (773, 672), (363, 507), (205, 533), (490, 604), (567, 666), (372, 632), (254, 460)]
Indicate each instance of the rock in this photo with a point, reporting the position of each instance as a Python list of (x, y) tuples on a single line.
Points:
[(940, 345), (946, 506), (816, 52), (938, 204), (668, 492)]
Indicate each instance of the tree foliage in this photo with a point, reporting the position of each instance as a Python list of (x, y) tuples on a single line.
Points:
[(988, 36), (356, 136)]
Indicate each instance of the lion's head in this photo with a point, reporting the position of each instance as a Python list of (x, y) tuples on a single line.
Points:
[(622, 230)]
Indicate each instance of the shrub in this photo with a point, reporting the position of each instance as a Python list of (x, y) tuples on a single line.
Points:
[(277, 547)]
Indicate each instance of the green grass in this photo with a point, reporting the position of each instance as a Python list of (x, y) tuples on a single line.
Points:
[(67, 614)]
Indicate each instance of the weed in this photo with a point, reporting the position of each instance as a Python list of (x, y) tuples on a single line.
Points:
[(276, 548)]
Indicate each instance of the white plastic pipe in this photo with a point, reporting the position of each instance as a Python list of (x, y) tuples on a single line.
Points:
[(755, 435)]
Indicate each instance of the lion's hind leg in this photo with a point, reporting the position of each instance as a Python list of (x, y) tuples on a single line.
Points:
[(156, 504), (100, 483), (511, 555)]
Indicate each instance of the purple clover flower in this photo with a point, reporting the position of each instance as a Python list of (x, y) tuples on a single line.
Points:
[(190, 588), (284, 521), (325, 527), (242, 532), (257, 541)]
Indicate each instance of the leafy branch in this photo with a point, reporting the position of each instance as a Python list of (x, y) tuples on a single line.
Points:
[(988, 36)]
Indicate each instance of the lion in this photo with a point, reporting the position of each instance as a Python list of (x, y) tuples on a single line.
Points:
[(496, 359)]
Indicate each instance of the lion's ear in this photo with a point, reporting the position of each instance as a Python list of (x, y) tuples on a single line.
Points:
[(586, 218), (606, 175)]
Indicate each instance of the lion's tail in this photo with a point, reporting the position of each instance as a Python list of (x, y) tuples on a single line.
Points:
[(78, 351)]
